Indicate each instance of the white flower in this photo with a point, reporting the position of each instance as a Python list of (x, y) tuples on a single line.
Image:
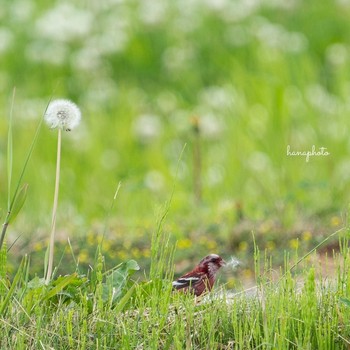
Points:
[(62, 114)]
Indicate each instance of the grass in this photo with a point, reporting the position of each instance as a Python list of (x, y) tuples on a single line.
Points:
[(236, 83), (303, 312)]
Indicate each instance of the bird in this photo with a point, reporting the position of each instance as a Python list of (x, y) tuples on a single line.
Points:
[(202, 278)]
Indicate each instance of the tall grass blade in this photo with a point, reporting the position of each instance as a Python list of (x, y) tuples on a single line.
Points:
[(10, 152), (19, 182), (14, 283), (18, 203)]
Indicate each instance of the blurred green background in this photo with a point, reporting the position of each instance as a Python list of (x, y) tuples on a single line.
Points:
[(234, 81)]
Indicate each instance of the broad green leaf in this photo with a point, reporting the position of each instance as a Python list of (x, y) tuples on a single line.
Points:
[(18, 203), (118, 279)]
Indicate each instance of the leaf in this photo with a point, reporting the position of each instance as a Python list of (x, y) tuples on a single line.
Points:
[(60, 284), (345, 301), (123, 301), (118, 279), (18, 203), (36, 282)]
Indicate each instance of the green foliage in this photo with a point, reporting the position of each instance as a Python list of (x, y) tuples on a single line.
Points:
[(118, 282), (236, 81), (65, 314)]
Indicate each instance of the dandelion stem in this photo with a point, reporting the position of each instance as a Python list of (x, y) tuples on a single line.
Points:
[(54, 210)]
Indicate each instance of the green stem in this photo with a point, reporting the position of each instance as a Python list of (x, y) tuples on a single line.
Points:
[(54, 210)]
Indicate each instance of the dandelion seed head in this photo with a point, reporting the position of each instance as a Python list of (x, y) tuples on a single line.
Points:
[(62, 114), (233, 262)]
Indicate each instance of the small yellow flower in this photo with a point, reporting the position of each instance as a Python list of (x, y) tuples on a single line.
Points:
[(136, 253), (83, 256), (184, 243), (270, 245), (231, 282), (112, 254), (91, 239), (335, 221), (294, 243), (146, 253), (122, 255), (106, 245), (243, 246), (247, 273), (306, 236), (38, 246), (211, 245)]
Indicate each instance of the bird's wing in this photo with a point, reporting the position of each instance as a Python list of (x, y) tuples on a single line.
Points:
[(187, 281)]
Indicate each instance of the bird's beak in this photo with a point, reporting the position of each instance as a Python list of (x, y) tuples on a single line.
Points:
[(223, 262)]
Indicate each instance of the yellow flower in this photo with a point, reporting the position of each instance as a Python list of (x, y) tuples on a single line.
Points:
[(106, 245), (146, 253), (136, 253), (211, 245), (270, 245), (335, 221), (247, 273), (243, 246), (231, 282), (184, 243), (122, 255), (38, 246), (294, 243), (83, 256), (306, 236), (91, 239)]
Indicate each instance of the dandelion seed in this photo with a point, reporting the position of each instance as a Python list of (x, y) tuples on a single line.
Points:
[(62, 114), (233, 263)]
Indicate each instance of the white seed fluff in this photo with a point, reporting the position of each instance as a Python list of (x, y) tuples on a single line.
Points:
[(62, 114)]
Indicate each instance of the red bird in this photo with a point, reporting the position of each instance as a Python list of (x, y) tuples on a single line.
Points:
[(202, 277)]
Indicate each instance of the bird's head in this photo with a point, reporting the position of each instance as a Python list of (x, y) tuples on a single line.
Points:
[(211, 263)]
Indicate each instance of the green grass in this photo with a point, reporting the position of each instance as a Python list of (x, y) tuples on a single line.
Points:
[(294, 312), (197, 102)]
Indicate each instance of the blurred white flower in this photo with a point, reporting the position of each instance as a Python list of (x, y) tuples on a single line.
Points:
[(322, 100), (337, 54), (65, 22), (178, 58), (259, 162), (22, 10), (147, 127), (62, 114), (49, 52), (6, 39), (211, 127), (218, 97), (154, 180), (87, 58), (276, 36), (152, 12), (167, 102), (215, 175)]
